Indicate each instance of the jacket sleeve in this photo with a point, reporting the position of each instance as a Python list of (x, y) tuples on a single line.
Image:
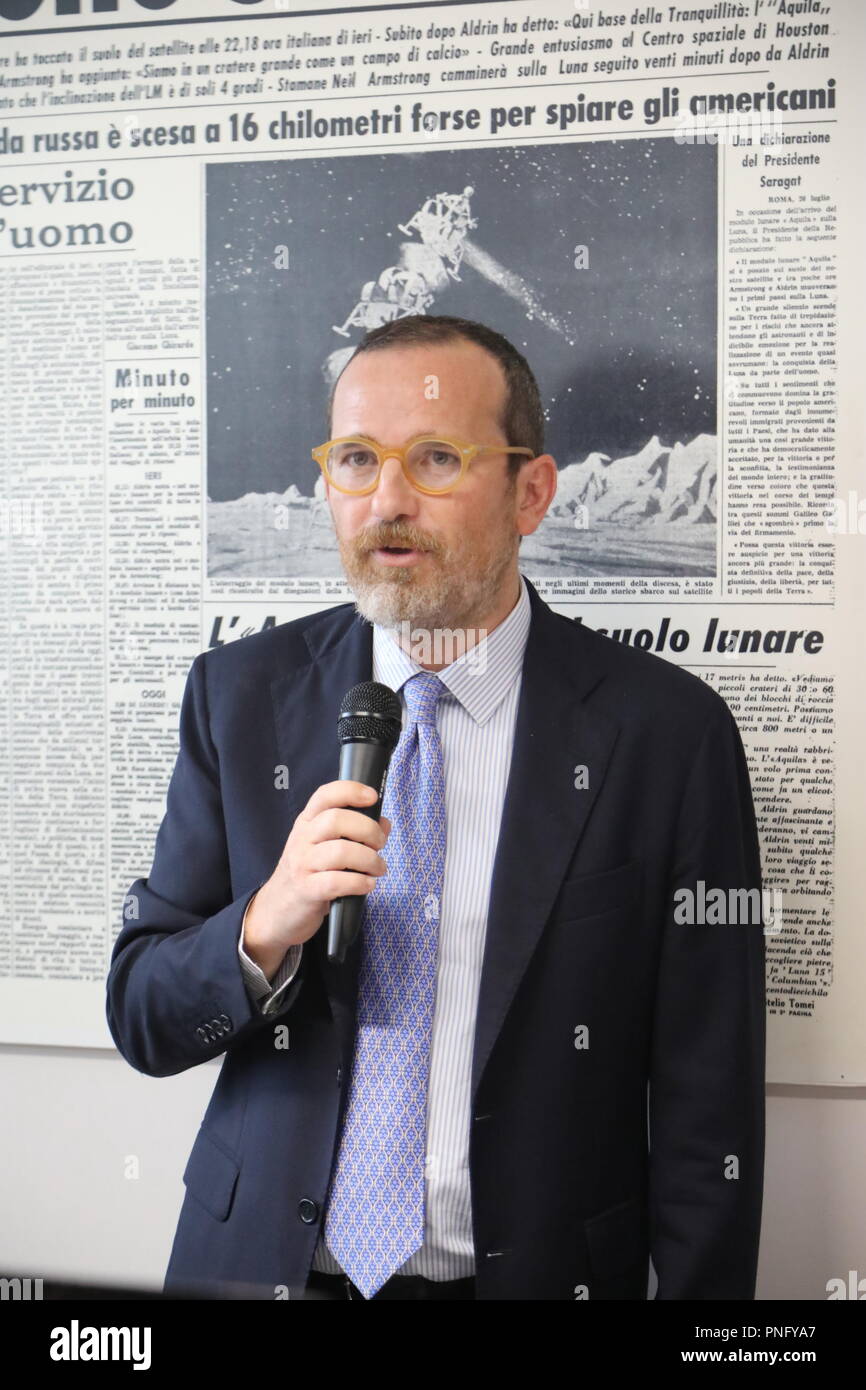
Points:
[(706, 1094), (176, 994)]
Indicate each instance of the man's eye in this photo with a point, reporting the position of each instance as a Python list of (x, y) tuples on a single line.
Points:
[(440, 456)]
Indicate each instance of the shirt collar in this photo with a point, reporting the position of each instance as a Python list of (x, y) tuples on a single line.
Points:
[(481, 677)]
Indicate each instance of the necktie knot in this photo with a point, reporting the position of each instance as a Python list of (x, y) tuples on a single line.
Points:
[(422, 694)]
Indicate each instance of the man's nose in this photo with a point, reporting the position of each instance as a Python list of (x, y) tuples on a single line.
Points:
[(394, 495)]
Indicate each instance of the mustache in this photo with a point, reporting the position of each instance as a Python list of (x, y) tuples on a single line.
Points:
[(376, 537)]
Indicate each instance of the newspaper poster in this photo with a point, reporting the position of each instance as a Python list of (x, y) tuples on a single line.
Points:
[(203, 208)]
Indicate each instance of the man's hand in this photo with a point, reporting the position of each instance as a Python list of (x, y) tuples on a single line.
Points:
[(331, 852)]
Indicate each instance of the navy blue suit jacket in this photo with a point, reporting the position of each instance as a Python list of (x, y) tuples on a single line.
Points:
[(571, 1187)]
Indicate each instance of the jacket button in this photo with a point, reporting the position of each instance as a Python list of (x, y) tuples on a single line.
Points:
[(308, 1210)]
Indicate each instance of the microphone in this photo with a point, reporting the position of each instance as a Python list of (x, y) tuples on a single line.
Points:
[(369, 727)]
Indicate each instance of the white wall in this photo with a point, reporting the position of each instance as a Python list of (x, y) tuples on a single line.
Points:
[(72, 1117)]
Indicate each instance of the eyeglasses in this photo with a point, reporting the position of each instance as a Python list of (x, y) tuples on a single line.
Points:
[(432, 465)]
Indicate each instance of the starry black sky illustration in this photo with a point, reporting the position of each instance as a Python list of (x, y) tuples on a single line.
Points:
[(622, 349)]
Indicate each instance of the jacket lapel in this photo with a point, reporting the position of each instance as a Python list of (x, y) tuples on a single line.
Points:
[(544, 814), (306, 705)]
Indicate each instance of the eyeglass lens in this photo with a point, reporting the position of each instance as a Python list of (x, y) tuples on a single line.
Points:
[(434, 463)]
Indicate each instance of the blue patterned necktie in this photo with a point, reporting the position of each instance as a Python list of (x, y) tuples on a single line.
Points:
[(375, 1217)]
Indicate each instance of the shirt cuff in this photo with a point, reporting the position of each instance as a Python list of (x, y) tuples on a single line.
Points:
[(267, 994)]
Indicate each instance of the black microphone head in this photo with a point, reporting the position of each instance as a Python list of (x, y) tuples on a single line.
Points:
[(370, 712)]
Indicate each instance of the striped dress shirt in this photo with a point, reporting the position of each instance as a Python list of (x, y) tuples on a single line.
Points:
[(476, 720)]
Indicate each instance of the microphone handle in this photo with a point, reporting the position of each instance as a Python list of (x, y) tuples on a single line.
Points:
[(367, 762)]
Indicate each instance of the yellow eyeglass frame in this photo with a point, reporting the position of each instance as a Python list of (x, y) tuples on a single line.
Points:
[(466, 451)]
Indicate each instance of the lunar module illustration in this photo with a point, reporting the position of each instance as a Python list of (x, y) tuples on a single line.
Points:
[(442, 224), (409, 288)]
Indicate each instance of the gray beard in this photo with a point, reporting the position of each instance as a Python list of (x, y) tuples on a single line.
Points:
[(450, 601)]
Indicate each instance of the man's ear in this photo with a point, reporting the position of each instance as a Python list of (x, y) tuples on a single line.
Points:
[(540, 477)]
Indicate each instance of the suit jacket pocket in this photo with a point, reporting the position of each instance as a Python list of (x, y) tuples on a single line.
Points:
[(592, 895), (211, 1174), (614, 1239)]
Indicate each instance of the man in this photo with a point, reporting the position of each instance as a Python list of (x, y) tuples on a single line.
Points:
[(529, 1073)]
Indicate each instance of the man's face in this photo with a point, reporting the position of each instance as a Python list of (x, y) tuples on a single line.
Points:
[(463, 544)]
